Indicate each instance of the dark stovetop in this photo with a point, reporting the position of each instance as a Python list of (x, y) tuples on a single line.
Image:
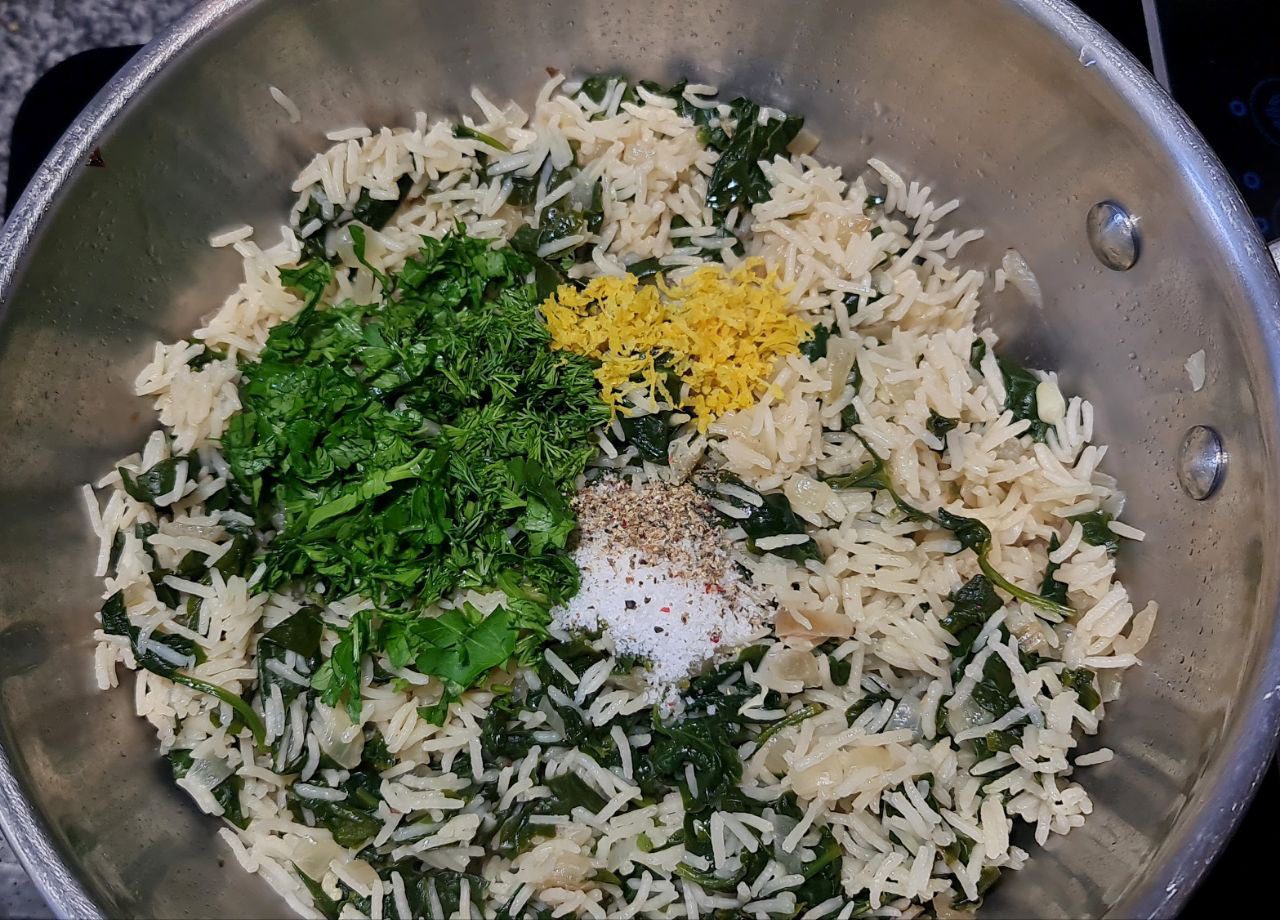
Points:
[(1223, 69)]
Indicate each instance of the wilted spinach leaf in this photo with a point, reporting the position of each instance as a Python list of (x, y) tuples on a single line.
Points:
[(650, 434), (970, 532), (772, 516), (1096, 531), (1052, 588), (351, 827), (645, 268), (374, 213), (804, 712), (226, 793), (1020, 398), (816, 347), (154, 482), (547, 276), (1081, 681), (972, 604), (205, 358), (115, 622), (327, 907), (299, 634), (737, 179), (865, 702), (466, 132), (822, 878), (939, 425)]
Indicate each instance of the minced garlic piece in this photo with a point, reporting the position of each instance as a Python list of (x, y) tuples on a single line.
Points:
[(720, 333)]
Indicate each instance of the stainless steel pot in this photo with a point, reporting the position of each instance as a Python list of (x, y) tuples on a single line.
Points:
[(1024, 109)]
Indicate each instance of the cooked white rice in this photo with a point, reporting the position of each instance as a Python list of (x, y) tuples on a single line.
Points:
[(894, 793)]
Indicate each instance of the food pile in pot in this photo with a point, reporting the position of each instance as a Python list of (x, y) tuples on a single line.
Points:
[(610, 508)]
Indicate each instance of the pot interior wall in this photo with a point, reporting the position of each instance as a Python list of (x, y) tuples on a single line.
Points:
[(972, 96)]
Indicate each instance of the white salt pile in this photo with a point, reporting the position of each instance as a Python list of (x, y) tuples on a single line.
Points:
[(657, 578)]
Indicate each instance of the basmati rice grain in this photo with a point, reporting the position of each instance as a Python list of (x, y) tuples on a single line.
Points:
[(287, 104)]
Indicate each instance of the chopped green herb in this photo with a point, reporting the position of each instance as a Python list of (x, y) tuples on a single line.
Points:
[(308, 280), (459, 646), (417, 446)]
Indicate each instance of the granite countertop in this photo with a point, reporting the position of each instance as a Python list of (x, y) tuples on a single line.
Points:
[(18, 897), (35, 35)]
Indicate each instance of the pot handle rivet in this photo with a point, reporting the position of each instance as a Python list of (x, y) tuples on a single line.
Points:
[(1113, 235), (1202, 461)]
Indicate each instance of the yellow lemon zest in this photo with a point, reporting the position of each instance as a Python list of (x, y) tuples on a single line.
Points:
[(719, 332)]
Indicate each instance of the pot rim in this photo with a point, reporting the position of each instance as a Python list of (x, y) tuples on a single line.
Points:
[(1219, 806)]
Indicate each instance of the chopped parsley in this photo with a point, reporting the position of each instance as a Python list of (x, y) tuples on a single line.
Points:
[(417, 446)]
